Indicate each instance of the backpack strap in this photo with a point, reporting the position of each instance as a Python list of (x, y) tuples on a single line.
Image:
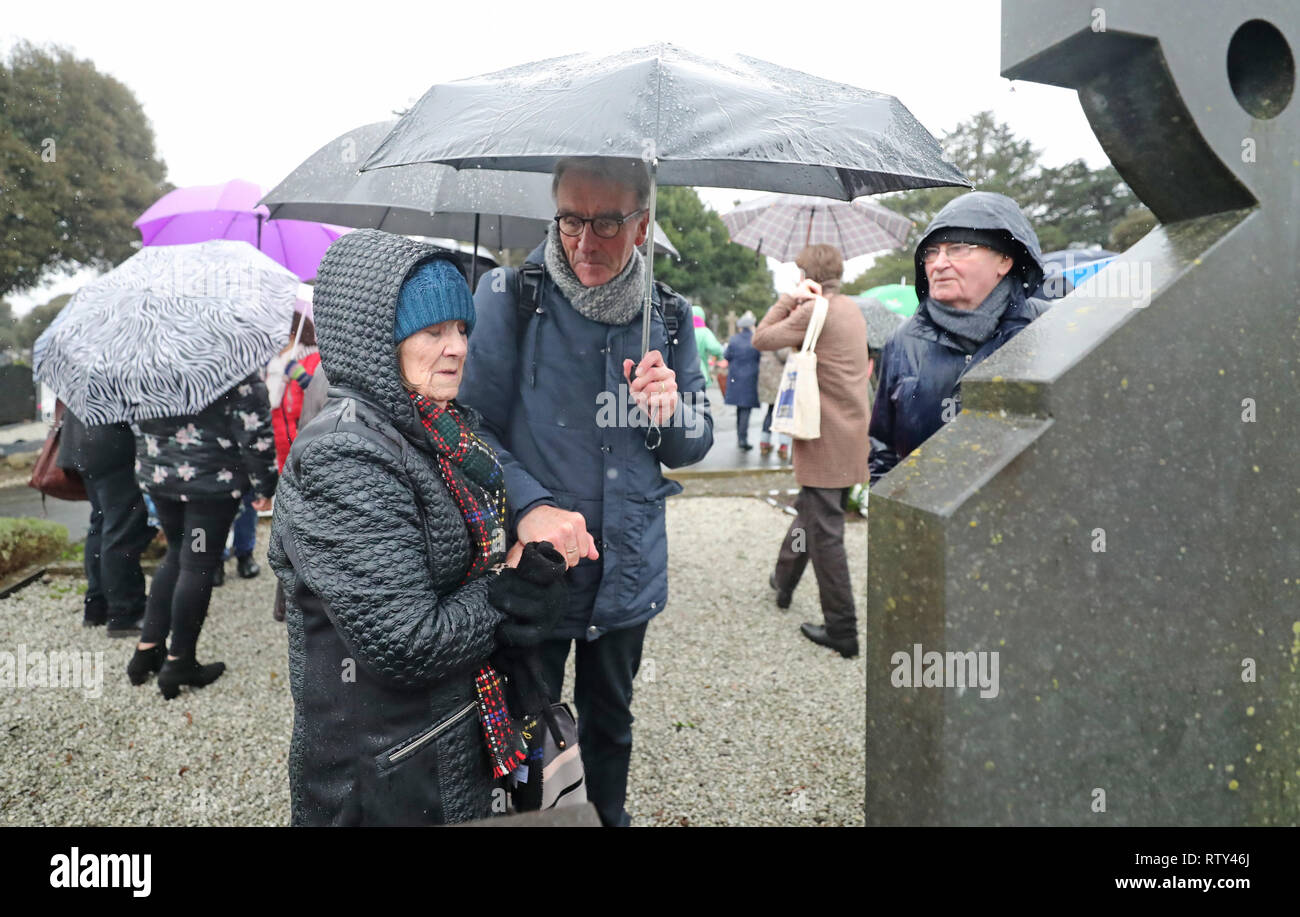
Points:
[(528, 296)]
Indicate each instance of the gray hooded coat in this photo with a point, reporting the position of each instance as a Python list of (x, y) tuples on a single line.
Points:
[(384, 640)]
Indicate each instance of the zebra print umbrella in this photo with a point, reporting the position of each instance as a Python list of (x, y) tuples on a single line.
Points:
[(167, 331)]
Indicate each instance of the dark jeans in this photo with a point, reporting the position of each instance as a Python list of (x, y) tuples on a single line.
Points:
[(817, 534), (603, 673), (118, 534), (182, 587), (742, 424), (245, 527)]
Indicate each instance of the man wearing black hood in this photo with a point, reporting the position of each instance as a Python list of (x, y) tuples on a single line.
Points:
[(976, 268)]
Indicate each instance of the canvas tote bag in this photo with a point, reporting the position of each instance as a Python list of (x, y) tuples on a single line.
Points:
[(798, 403)]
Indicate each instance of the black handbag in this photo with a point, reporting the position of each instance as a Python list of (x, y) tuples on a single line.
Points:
[(553, 776)]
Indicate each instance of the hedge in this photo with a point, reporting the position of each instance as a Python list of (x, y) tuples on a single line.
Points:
[(26, 541)]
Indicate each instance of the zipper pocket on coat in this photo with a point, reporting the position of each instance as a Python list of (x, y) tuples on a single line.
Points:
[(422, 740)]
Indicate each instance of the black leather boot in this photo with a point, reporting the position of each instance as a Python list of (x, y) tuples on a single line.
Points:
[(146, 662), (95, 614), (248, 568), (817, 634), (187, 671), (219, 575)]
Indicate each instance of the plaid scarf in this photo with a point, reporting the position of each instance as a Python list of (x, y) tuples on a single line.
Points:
[(474, 478)]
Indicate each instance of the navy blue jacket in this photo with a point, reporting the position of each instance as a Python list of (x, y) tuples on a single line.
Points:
[(742, 370), (921, 366), (555, 409)]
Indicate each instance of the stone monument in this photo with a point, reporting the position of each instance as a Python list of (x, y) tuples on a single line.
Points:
[(1104, 546)]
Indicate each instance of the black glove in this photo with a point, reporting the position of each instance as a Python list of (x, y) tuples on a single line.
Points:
[(532, 595)]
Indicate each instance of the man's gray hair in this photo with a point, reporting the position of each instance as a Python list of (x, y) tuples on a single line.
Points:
[(630, 173)]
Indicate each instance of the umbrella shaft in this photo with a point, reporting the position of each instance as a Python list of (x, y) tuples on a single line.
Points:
[(649, 265)]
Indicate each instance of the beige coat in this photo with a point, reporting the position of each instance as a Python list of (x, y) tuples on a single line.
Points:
[(839, 457)]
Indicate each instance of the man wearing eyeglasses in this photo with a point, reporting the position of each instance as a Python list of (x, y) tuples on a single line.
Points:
[(978, 267), (544, 365)]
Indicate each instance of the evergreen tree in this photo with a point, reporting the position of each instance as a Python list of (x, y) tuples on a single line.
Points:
[(713, 272), (77, 166)]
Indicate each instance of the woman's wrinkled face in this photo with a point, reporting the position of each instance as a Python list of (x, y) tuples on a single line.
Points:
[(433, 360)]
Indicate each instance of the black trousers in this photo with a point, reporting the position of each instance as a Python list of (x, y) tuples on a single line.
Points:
[(118, 534), (182, 587), (602, 690), (817, 534)]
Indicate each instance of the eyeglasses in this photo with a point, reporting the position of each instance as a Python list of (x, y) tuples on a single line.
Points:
[(957, 251), (605, 227)]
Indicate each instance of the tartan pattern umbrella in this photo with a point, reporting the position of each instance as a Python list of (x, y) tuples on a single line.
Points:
[(780, 225)]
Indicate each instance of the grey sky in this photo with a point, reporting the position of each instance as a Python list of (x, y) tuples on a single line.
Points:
[(249, 90)]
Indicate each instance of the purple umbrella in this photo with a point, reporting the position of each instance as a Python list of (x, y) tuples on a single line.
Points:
[(230, 211)]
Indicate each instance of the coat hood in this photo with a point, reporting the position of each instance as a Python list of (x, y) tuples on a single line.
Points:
[(987, 210), (355, 309)]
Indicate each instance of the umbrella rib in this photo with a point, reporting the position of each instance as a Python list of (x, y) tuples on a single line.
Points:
[(839, 232), (789, 239), (659, 101)]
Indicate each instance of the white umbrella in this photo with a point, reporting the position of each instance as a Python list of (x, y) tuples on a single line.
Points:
[(167, 331)]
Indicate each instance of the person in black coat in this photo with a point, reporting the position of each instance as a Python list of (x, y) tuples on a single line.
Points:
[(742, 377), (978, 267), (388, 538), (104, 456), (197, 468)]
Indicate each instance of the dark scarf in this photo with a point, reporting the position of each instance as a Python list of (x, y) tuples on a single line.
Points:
[(973, 328), (474, 477), (614, 303)]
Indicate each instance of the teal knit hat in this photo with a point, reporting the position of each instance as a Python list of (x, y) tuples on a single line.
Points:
[(434, 292)]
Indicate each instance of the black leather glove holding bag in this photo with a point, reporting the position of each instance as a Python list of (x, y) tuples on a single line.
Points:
[(532, 595)]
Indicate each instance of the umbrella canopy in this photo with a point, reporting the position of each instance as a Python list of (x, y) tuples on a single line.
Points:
[(781, 225), (882, 321), (734, 123), (739, 122), (167, 331), (500, 209), (897, 297), (230, 211)]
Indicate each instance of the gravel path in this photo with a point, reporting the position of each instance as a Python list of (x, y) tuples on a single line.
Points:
[(740, 721)]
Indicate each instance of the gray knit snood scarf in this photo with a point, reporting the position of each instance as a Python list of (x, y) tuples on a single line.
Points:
[(973, 328), (614, 303)]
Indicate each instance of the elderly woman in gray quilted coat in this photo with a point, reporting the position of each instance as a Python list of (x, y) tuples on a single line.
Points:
[(388, 539)]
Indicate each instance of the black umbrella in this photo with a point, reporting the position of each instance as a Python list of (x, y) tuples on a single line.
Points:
[(734, 123), (504, 209)]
